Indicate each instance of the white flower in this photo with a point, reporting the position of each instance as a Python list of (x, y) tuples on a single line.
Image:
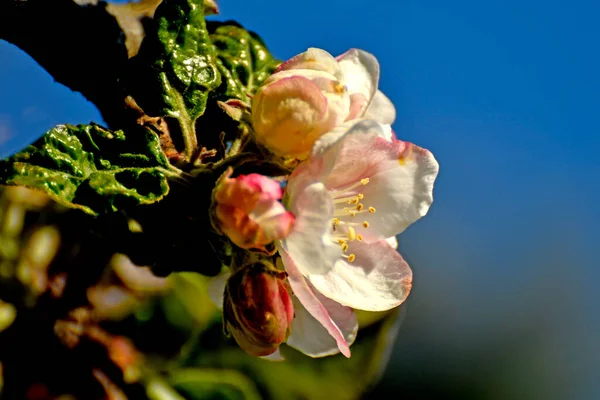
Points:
[(358, 189), (311, 94)]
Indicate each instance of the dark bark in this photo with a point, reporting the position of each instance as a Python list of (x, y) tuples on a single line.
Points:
[(85, 45)]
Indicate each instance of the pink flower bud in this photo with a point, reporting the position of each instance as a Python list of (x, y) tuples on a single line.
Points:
[(247, 210), (258, 309), (302, 100)]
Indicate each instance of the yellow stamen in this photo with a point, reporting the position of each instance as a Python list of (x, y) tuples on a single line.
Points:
[(359, 237), (351, 258), (364, 181), (366, 224), (360, 206), (372, 210)]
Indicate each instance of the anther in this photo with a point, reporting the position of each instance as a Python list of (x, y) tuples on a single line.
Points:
[(372, 210), (345, 247), (359, 237), (360, 206), (351, 258), (364, 181), (366, 224)]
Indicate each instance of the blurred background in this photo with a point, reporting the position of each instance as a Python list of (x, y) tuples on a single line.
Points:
[(506, 95)]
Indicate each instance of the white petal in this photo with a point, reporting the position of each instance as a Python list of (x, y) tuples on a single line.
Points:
[(311, 338), (216, 288), (388, 133), (402, 191), (361, 75), (313, 59), (381, 109), (321, 326), (351, 153), (276, 356), (393, 242), (401, 175), (379, 279), (358, 134), (309, 244)]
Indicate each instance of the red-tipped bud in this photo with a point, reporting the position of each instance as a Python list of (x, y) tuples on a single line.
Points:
[(258, 309), (247, 210)]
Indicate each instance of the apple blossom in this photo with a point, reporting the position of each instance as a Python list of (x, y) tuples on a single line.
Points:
[(357, 190), (247, 210), (311, 94)]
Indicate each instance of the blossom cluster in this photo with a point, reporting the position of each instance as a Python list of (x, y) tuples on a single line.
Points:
[(321, 241)]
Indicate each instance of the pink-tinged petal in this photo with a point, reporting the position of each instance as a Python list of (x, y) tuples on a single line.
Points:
[(338, 100), (245, 191), (269, 102), (311, 338), (325, 153), (309, 243), (289, 113), (358, 103), (361, 76), (381, 109), (268, 188), (274, 220), (349, 153), (321, 327), (401, 175), (377, 280), (321, 161), (400, 187), (313, 59)]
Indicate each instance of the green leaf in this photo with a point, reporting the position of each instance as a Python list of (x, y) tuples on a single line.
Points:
[(91, 168), (243, 59), (176, 67), (187, 65)]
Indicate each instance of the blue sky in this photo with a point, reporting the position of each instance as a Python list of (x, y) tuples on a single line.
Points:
[(506, 95)]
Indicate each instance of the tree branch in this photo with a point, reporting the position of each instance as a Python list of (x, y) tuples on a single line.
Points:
[(84, 44)]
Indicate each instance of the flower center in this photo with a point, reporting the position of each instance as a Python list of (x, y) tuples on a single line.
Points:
[(349, 203)]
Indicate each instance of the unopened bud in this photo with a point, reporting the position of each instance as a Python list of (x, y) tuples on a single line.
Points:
[(258, 309), (248, 211), (302, 100)]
